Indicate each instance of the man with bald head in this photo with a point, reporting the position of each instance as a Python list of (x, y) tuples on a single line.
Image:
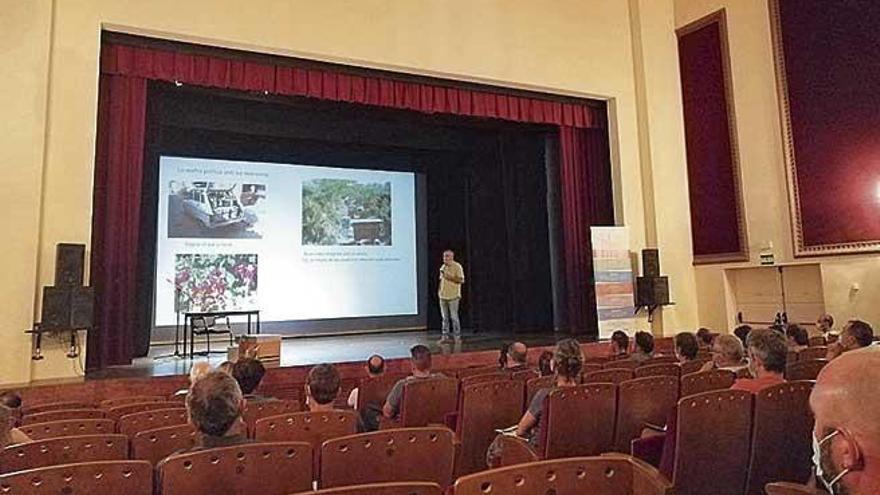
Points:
[(517, 359), (375, 367), (846, 405)]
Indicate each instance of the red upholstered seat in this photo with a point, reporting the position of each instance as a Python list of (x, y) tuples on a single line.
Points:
[(485, 407), (804, 369), (640, 401), (578, 421), (706, 381), (610, 375), (663, 369)]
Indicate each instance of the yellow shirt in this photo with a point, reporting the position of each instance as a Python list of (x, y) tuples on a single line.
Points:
[(448, 288)]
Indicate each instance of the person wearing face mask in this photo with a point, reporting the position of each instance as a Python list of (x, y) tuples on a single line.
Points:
[(846, 436)]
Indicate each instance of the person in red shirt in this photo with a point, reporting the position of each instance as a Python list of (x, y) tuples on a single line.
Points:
[(767, 352)]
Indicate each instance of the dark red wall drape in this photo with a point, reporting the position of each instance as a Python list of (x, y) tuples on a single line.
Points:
[(116, 210), (586, 176)]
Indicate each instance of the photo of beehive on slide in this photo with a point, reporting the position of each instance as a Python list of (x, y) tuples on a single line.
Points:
[(344, 212)]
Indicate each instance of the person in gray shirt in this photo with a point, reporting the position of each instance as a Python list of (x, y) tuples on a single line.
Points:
[(421, 369)]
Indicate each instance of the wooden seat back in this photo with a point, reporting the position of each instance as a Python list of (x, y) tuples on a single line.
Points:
[(118, 412), (786, 488), (694, 366), (535, 384), (525, 375), (791, 357), (476, 370), (61, 415), (486, 377), (255, 411), (373, 391), (804, 369), (134, 423), (392, 488), (404, 454), (279, 468), (712, 444), (623, 364), (818, 340), (154, 445), (815, 352), (578, 421), (660, 360), (706, 381), (485, 407), (428, 401), (782, 423), (611, 474), (134, 399), (610, 375), (56, 406), (640, 401), (663, 369), (85, 478), (69, 428), (314, 428), (64, 450), (589, 368), (512, 450)]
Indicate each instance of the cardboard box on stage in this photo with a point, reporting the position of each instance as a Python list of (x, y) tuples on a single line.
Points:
[(265, 347)]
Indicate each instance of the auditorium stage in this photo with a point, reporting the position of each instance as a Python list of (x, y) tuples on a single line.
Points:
[(306, 351)]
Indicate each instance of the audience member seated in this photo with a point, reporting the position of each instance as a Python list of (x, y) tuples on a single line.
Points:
[(225, 366), (824, 326), (568, 360), (727, 354), (9, 435), (705, 339), (214, 405), (686, 347), (619, 344), (855, 335), (797, 338), (375, 366), (767, 352), (846, 435), (544, 366), (196, 371), (644, 350), (742, 333), (322, 387), (249, 372), (421, 369), (515, 357)]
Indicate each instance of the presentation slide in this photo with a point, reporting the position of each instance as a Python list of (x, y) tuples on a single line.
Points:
[(295, 242)]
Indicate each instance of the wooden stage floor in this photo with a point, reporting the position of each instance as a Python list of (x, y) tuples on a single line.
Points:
[(306, 351)]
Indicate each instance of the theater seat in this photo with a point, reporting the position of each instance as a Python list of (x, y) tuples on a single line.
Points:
[(706, 381), (277, 468), (785, 488), (87, 478), (155, 445), (611, 474), (578, 421), (640, 401), (485, 407), (61, 415), (69, 428), (132, 424), (405, 488), (426, 402), (254, 411), (65, 450)]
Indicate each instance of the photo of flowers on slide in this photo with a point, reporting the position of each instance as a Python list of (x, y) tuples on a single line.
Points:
[(215, 282), (214, 210), (344, 212)]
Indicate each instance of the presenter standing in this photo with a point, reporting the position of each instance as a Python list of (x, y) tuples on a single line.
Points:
[(451, 279)]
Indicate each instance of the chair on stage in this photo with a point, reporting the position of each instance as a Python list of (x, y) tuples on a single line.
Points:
[(609, 375), (610, 474), (804, 370), (483, 408), (61, 415), (65, 450), (69, 428), (154, 445), (663, 369), (85, 478), (706, 381), (578, 421), (210, 325), (132, 424), (392, 488), (279, 468), (782, 423), (404, 454), (642, 401)]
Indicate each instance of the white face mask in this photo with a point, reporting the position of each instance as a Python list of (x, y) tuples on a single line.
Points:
[(817, 462)]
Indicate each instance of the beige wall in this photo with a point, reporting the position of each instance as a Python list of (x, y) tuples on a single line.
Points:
[(765, 193), (576, 47)]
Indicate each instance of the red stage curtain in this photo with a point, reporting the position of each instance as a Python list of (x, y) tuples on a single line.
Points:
[(116, 217), (229, 73), (125, 70), (586, 200)]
